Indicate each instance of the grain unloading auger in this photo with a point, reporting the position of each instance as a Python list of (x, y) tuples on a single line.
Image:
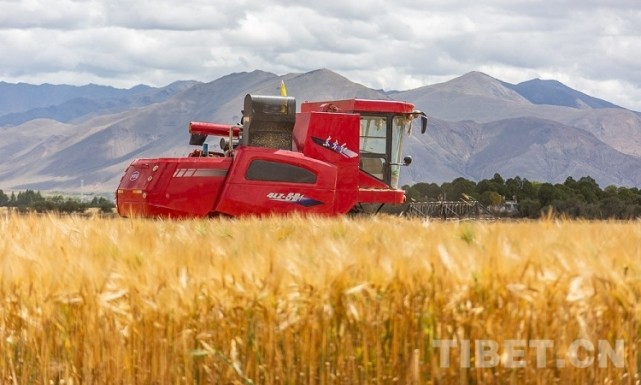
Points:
[(332, 158)]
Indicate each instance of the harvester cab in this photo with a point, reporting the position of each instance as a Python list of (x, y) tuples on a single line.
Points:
[(383, 125), (331, 158)]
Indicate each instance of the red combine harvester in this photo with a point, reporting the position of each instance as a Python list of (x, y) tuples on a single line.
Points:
[(332, 158)]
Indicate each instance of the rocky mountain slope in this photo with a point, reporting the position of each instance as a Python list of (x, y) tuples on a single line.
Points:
[(539, 130)]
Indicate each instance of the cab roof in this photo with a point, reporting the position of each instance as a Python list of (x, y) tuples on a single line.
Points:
[(358, 105)]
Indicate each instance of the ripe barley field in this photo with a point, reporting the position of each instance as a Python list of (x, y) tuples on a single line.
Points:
[(380, 300)]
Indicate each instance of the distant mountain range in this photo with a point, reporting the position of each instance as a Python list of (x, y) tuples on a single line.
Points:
[(61, 137)]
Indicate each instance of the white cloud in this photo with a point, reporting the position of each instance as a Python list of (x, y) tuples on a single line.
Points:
[(590, 45)]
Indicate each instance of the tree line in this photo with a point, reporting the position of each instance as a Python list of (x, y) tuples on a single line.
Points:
[(30, 200), (582, 198)]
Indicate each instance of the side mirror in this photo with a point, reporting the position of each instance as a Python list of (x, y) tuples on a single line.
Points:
[(406, 161), (423, 116)]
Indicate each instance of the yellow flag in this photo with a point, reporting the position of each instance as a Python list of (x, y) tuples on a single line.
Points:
[(283, 89)]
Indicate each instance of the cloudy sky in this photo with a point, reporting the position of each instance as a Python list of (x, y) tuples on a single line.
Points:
[(591, 45)]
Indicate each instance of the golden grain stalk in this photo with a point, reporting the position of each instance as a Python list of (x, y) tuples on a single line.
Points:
[(316, 301)]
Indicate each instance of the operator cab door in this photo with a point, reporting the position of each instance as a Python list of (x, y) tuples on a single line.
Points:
[(381, 143)]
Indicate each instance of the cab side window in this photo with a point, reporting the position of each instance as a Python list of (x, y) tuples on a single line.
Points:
[(267, 170)]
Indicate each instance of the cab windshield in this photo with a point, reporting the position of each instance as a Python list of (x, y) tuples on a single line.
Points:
[(381, 145)]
